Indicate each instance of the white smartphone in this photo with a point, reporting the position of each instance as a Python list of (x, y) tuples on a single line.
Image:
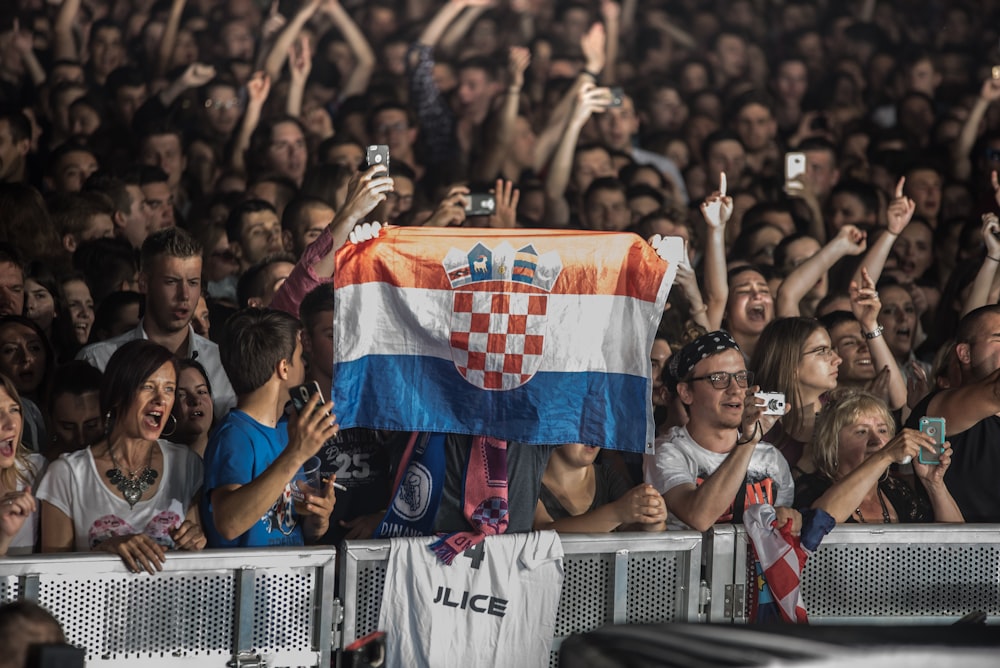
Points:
[(795, 165)]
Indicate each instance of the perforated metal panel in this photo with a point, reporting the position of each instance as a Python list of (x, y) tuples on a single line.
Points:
[(661, 584), (8, 589), (190, 613), (876, 574), (913, 580)]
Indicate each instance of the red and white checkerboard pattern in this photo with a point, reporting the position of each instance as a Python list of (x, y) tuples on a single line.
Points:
[(496, 338)]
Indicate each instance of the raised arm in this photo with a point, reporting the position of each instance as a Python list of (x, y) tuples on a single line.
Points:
[(611, 13), (457, 29), (275, 59), (299, 66), (25, 45), (258, 88), (982, 286), (169, 40), (499, 141), (194, 76), (964, 406), (357, 82), (960, 162), (849, 241), (898, 216), (865, 304), (589, 100), (716, 210), (64, 40)]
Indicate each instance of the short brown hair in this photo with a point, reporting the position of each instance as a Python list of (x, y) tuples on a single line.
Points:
[(172, 242), (255, 341)]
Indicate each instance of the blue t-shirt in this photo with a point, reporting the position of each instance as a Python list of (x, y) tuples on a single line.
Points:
[(239, 451)]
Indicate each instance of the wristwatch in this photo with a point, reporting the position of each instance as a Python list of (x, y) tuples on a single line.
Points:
[(874, 334)]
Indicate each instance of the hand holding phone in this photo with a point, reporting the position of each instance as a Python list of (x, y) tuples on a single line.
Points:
[(377, 154), (481, 204), (795, 169), (935, 428), (301, 394)]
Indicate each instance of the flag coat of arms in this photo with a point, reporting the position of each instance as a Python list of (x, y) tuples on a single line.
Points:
[(537, 336)]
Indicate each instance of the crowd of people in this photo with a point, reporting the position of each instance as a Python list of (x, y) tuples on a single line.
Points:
[(177, 176)]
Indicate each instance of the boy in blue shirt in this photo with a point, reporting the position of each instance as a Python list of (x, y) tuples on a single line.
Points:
[(255, 453)]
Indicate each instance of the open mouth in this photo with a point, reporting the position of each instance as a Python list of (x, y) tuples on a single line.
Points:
[(7, 448), (733, 405), (757, 313), (153, 419)]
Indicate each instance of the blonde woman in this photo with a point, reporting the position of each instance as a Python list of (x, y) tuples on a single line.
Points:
[(19, 473)]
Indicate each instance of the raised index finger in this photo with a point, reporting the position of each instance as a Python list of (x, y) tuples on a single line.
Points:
[(899, 187)]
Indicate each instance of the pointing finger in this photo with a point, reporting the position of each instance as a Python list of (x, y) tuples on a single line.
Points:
[(899, 187)]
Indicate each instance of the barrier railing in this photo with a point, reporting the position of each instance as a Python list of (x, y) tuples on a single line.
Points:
[(629, 578), (873, 574), (214, 608), (277, 607)]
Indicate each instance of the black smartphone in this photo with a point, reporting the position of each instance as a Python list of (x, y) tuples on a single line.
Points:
[(617, 97), (377, 154), (302, 393)]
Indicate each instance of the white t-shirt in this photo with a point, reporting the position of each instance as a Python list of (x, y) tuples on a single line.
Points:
[(25, 540), (495, 605), (75, 486), (678, 459)]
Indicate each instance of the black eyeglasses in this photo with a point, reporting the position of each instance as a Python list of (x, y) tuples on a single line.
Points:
[(721, 379)]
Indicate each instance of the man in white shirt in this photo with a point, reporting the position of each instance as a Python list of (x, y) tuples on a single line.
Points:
[(705, 468), (170, 277)]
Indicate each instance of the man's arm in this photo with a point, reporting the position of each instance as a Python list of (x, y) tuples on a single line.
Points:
[(235, 508), (963, 407), (716, 210), (357, 82)]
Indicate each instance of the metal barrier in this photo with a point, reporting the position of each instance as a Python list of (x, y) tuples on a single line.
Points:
[(873, 574), (631, 578), (271, 607)]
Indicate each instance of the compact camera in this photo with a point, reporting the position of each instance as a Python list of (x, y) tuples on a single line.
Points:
[(774, 402)]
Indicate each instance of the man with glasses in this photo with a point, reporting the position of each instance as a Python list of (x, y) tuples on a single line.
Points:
[(714, 467)]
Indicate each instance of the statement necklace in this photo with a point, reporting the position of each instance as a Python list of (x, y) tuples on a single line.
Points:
[(134, 484)]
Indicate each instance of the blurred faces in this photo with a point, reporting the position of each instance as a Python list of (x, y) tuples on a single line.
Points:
[(222, 109), (80, 305), (287, 152), (193, 406), (72, 169), (750, 305), (167, 153), (475, 92), (756, 127), (731, 56), (12, 154), (107, 52), (76, 421), (159, 201), (392, 128), (726, 156), (924, 187), (589, 165), (899, 318), (11, 424), (201, 321), (40, 305), (11, 289), (260, 236), (821, 172), (852, 347), (847, 209), (22, 357), (791, 81), (914, 251), (128, 99), (607, 211), (617, 125)]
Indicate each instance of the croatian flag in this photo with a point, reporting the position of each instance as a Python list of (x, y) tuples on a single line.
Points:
[(537, 336)]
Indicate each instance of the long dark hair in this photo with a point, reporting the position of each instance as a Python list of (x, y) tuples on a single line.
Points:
[(127, 370)]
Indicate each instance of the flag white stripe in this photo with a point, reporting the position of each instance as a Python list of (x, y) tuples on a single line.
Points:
[(583, 333)]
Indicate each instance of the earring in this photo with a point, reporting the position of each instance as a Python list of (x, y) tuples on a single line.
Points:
[(173, 427), (107, 423)]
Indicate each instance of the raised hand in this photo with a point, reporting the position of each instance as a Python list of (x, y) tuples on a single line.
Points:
[(274, 22), (717, 207), (991, 230), (590, 100), (990, 91), (865, 302), (900, 209), (451, 211), (197, 75), (852, 239), (310, 429), (518, 60), (300, 58), (592, 44), (258, 87), (507, 197), (366, 190)]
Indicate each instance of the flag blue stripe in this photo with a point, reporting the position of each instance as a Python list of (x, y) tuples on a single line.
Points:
[(596, 408)]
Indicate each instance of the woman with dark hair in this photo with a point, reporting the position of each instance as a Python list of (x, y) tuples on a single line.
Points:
[(133, 493), (40, 295), (795, 356), (19, 471), (193, 407), (25, 358)]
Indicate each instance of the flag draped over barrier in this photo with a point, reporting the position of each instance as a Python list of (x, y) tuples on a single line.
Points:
[(537, 336)]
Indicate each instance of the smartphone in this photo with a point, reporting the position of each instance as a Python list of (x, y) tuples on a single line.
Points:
[(481, 204), (377, 154), (933, 427), (795, 166), (996, 72), (302, 393), (617, 97), (774, 402)]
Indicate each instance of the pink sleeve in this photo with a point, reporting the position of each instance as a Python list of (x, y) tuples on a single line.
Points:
[(303, 279)]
